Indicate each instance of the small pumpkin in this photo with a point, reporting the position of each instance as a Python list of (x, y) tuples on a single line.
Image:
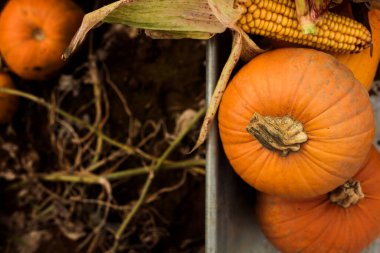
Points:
[(345, 220), (295, 122), (34, 34), (8, 103), (363, 64)]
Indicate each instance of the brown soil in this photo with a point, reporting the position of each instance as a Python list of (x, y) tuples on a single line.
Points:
[(159, 80)]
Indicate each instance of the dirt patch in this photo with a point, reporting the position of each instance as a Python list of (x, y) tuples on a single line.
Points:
[(139, 92)]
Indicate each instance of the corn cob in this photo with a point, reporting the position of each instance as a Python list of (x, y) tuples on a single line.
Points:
[(277, 19)]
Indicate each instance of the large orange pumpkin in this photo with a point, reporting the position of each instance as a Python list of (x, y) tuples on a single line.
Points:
[(8, 103), (34, 34), (344, 221), (364, 64), (295, 122)]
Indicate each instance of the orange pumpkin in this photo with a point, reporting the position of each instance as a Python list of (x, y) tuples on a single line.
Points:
[(295, 122), (8, 103), (34, 34), (344, 221), (363, 64)]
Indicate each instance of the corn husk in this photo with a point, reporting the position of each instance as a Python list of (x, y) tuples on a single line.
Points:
[(162, 19), (177, 19), (308, 12)]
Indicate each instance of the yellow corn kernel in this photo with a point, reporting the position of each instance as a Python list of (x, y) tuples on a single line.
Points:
[(257, 23), (287, 31), (274, 17), (248, 3), (252, 8), (263, 13), (270, 26), (268, 16), (249, 17), (256, 14), (243, 20), (246, 28)]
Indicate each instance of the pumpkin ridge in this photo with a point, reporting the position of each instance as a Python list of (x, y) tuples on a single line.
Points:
[(261, 169), (303, 214), (338, 124), (330, 153), (302, 175), (363, 222), (244, 154), (324, 138), (326, 229), (314, 160), (335, 103), (343, 119), (14, 47), (236, 132), (295, 100), (242, 118), (371, 197), (47, 20), (299, 218), (246, 106), (246, 103), (300, 84)]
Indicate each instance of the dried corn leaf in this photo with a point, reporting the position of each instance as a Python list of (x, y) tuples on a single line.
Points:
[(235, 54), (249, 49), (226, 12), (167, 15), (177, 18)]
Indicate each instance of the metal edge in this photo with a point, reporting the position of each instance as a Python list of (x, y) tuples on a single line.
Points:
[(212, 147)]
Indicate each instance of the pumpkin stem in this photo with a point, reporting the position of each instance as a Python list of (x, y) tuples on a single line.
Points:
[(348, 194), (38, 34), (280, 134)]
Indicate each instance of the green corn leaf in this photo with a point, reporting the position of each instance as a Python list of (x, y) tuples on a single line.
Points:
[(167, 15), (177, 18)]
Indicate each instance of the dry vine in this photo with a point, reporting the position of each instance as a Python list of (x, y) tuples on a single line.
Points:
[(77, 194)]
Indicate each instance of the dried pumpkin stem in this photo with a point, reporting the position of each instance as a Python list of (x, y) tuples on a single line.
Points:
[(348, 194), (38, 34), (280, 134)]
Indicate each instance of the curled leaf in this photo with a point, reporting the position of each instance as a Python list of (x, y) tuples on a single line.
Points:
[(237, 45), (249, 48), (226, 12), (90, 20)]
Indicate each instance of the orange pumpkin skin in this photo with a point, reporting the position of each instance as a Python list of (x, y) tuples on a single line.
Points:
[(34, 34), (318, 91), (8, 103), (363, 64), (318, 225)]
